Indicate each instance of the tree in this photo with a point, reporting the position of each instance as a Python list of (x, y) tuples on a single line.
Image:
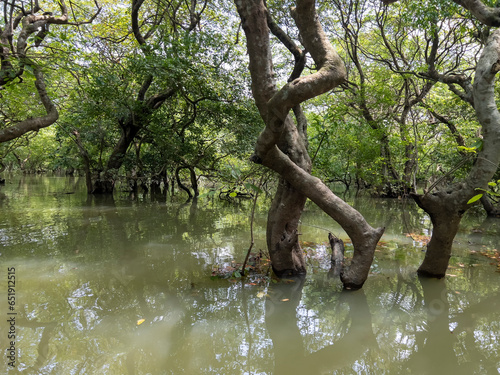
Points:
[(25, 27), (164, 105), (447, 204), (282, 144)]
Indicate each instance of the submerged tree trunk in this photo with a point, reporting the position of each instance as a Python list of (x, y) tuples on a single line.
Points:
[(193, 179), (446, 212), (337, 258), (283, 218), (447, 206), (281, 148), (105, 182)]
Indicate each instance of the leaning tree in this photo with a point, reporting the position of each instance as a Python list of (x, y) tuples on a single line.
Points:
[(282, 145)]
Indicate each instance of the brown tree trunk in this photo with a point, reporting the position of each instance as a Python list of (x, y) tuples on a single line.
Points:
[(35, 123), (287, 257), (337, 257), (105, 182), (180, 184)]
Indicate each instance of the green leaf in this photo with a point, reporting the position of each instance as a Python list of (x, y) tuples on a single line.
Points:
[(467, 149), (233, 194), (475, 198), (492, 184)]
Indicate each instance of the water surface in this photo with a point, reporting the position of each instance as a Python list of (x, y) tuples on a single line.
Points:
[(123, 286)]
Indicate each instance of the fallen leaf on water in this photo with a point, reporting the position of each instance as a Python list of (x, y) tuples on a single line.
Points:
[(261, 294), (285, 299), (140, 321)]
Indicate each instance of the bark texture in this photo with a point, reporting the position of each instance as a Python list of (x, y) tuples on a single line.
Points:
[(281, 148)]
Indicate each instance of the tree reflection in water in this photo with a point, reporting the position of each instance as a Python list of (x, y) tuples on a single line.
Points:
[(443, 342), (289, 352)]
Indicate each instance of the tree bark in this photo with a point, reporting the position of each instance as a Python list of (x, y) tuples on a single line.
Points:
[(337, 257), (280, 147), (447, 206), (193, 179)]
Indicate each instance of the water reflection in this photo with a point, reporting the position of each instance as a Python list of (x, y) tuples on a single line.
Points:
[(423, 336), (290, 356), (91, 269)]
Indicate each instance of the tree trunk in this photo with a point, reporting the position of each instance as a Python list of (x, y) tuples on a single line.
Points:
[(446, 210), (337, 257), (33, 123), (105, 182), (287, 257), (447, 206), (194, 181), (180, 184), (281, 148), (489, 207)]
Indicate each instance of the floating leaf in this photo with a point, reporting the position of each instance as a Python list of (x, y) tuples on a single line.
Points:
[(140, 321), (285, 300), (261, 294)]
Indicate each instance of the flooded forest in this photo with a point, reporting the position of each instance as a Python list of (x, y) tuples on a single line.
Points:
[(249, 187)]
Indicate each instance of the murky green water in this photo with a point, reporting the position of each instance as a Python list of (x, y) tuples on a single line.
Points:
[(88, 271)]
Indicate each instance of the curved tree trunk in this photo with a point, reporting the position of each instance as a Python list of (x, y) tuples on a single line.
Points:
[(280, 147), (446, 213), (35, 123), (194, 181), (180, 184)]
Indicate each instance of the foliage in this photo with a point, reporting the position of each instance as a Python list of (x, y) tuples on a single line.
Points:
[(364, 134)]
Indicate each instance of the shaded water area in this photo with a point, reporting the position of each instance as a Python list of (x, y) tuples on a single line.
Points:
[(123, 286)]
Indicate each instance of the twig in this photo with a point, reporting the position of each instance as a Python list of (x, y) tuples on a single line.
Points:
[(251, 226)]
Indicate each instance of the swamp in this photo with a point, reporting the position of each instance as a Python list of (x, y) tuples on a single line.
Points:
[(127, 286), (249, 187)]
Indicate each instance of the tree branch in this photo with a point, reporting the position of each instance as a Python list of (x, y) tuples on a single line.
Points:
[(37, 123)]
